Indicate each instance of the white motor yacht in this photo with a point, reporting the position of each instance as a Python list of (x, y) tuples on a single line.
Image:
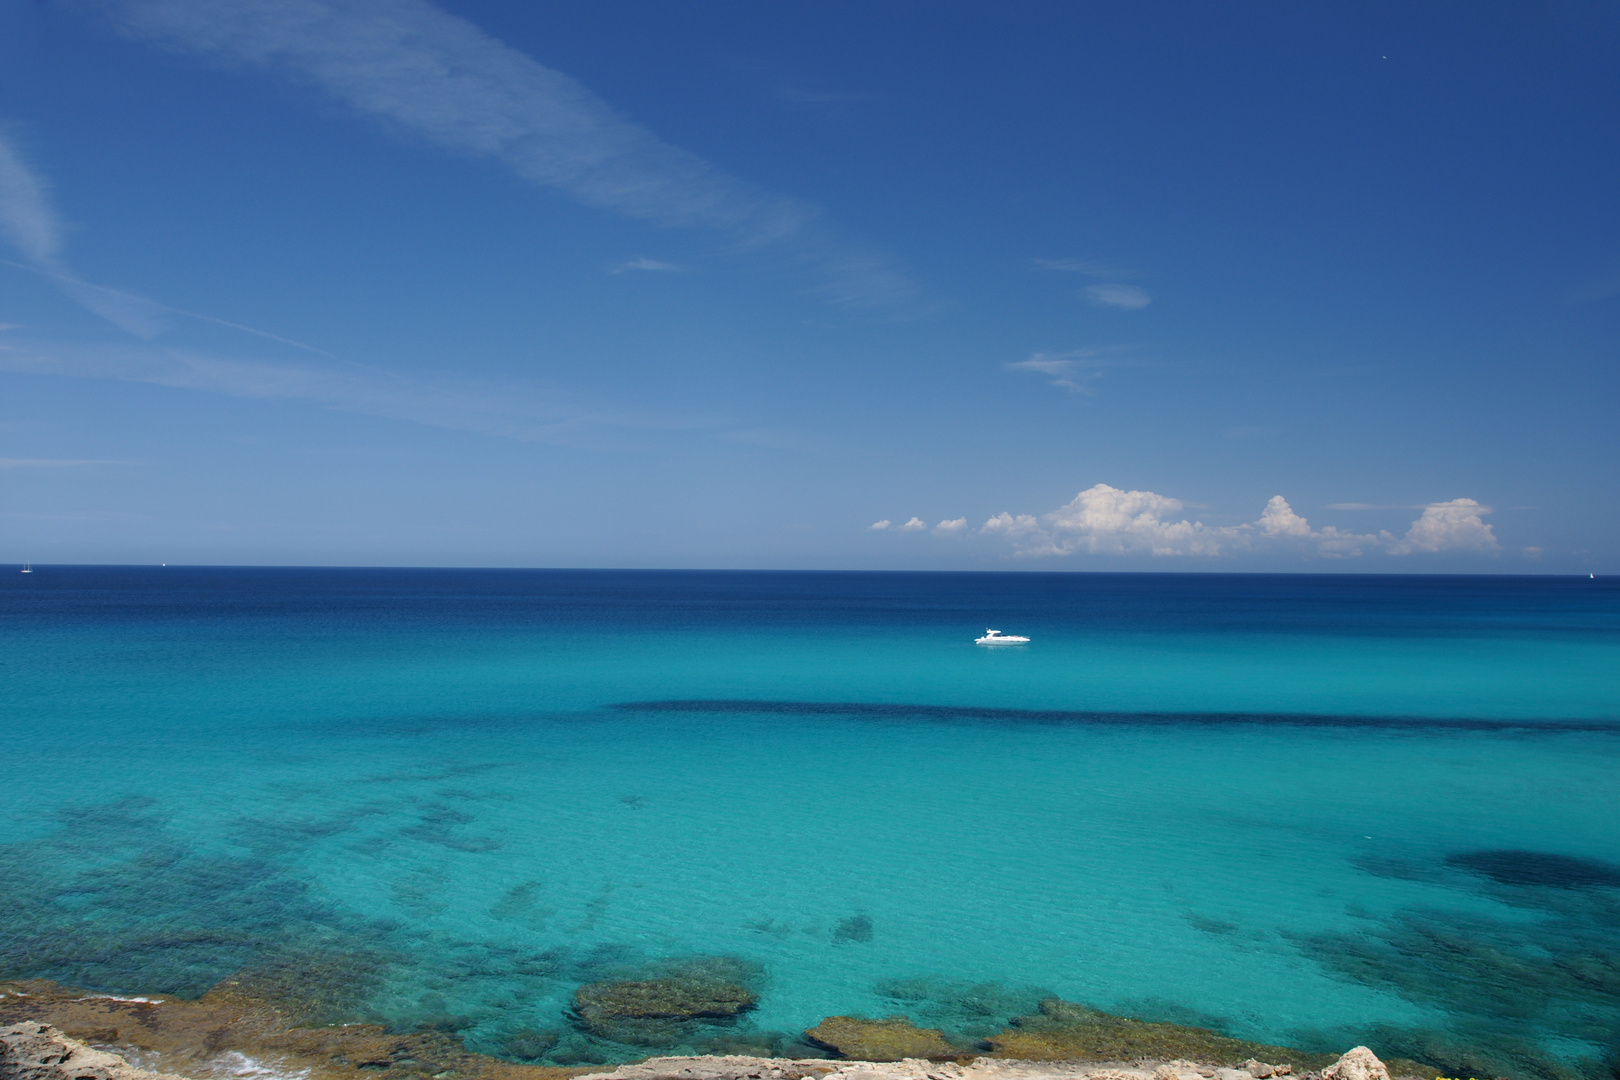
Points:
[(996, 637)]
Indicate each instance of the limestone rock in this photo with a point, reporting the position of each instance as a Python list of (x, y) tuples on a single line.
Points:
[(719, 1067), (893, 1039), (35, 1051), (1358, 1063)]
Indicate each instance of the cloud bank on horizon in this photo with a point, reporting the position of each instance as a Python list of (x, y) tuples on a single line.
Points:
[(1105, 520)]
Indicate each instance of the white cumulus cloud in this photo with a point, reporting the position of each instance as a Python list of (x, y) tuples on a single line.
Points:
[(879, 526), (1105, 520), (951, 525), (1449, 526), (1008, 525), (916, 524)]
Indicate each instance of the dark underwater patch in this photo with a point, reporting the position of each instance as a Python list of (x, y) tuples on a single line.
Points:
[(1217, 927), (114, 900), (963, 1009), (1502, 983), (879, 711), (1514, 867)]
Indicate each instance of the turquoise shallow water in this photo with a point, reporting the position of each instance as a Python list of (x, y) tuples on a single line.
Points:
[(1308, 810)]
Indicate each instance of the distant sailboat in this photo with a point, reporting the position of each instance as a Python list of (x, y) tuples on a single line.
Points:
[(28, 568)]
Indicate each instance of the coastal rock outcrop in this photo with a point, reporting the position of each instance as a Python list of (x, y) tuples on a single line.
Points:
[(893, 1039), (34, 1051), (1358, 1063)]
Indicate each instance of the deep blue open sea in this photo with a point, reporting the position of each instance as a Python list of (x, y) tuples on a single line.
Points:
[(1311, 810)]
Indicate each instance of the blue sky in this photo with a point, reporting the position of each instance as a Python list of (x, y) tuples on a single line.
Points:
[(1042, 286)]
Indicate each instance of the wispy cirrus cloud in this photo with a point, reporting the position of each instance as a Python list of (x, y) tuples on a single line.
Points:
[(529, 412), (649, 265), (439, 77), (1114, 294), (30, 223), (57, 463), (524, 411), (800, 95), (1073, 370), (1105, 520), (1088, 267), (26, 217), (1593, 291), (1117, 295)]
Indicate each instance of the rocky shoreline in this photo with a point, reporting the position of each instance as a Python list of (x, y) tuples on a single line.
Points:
[(34, 1051), (237, 1032)]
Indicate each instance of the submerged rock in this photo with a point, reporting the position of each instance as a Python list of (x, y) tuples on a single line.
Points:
[(35, 1051), (1064, 1031), (529, 1044), (893, 1039), (856, 928), (656, 1012)]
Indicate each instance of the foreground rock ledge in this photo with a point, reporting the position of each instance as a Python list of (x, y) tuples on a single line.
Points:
[(1359, 1064), (35, 1051)]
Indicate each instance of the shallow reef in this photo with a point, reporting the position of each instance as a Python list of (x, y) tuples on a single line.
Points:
[(1062, 1030), (892, 1039), (657, 1012), (968, 1012), (112, 899), (1549, 962), (188, 1037)]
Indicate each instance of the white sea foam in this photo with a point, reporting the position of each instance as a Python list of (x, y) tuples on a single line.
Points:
[(232, 1065), (115, 997)]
